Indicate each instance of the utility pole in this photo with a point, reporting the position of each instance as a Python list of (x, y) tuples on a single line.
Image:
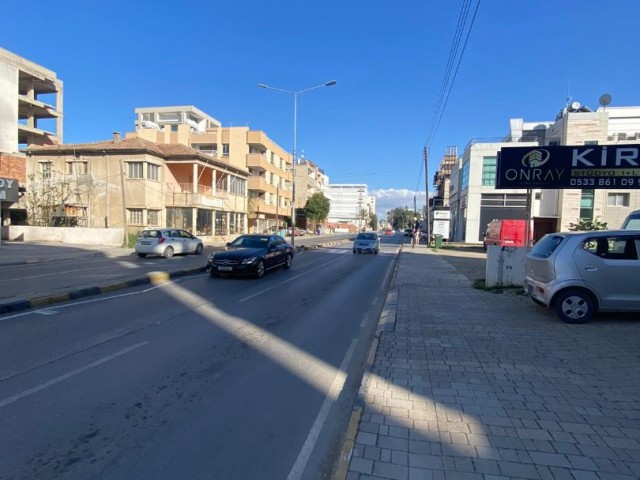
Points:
[(427, 223)]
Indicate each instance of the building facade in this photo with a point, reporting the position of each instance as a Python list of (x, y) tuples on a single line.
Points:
[(135, 183), (267, 165), (350, 203), (474, 201), (31, 98)]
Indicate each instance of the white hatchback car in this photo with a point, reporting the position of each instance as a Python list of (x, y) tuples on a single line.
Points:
[(366, 242), (167, 242), (580, 273)]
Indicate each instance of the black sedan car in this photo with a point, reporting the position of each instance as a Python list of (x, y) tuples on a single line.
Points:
[(251, 255)]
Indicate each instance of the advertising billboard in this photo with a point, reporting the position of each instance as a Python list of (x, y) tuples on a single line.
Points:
[(8, 190), (584, 166)]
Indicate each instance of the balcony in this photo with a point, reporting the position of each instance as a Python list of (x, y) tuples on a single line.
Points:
[(183, 195), (260, 207), (259, 184), (259, 161)]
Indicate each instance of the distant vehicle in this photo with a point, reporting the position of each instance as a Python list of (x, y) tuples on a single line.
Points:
[(407, 232), (388, 231), (506, 233), (632, 222), (251, 255), (297, 232), (167, 242), (366, 242), (580, 273)]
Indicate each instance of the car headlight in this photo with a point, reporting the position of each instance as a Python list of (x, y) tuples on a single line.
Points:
[(211, 256), (248, 260)]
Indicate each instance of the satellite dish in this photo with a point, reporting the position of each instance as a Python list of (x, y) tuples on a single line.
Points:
[(576, 105), (605, 99)]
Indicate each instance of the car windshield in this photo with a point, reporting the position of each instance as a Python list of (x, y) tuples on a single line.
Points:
[(545, 247), (251, 242), (366, 236), (150, 234), (632, 222)]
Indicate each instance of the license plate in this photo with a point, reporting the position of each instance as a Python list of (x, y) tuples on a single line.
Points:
[(225, 269), (145, 243), (529, 289)]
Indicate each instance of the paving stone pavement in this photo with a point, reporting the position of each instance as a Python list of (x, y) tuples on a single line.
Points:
[(474, 385)]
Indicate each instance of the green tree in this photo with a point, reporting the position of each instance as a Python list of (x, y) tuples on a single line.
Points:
[(373, 221), (317, 208), (586, 225), (401, 218)]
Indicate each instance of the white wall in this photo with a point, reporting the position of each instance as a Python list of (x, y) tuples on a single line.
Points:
[(67, 235), (8, 108)]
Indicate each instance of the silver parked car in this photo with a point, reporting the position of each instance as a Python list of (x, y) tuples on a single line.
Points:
[(366, 242), (167, 242), (580, 273)]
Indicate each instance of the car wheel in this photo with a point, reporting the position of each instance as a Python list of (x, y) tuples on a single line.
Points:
[(574, 306), (288, 262), (354, 251), (142, 255), (168, 252), (199, 249), (260, 269), (375, 251)]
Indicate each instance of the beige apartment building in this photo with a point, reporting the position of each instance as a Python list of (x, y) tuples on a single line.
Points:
[(136, 183), (310, 179), (267, 165)]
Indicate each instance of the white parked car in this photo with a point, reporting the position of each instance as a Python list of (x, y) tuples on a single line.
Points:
[(167, 242)]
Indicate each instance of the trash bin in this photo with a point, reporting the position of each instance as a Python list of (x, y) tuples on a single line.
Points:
[(438, 241)]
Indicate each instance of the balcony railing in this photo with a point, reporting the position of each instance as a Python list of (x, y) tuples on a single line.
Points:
[(183, 194)]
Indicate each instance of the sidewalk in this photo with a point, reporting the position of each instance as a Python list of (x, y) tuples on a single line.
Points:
[(466, 384)]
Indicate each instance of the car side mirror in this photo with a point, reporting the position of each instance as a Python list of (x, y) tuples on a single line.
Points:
[(228, 244)]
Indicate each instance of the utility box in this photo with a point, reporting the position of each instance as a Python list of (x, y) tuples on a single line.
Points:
[(438, 240), (505, 266)]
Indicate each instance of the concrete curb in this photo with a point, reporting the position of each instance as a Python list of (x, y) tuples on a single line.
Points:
[(151, 277), (386, 323)]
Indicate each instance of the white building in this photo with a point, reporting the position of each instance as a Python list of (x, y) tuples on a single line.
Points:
[(475, 202), (350, 203)]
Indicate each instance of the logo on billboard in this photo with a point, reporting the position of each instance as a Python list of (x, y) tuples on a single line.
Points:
[(535, 158)]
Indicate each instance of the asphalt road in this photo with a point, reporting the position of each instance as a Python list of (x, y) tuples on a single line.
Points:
[(197, 378), (63, 273)]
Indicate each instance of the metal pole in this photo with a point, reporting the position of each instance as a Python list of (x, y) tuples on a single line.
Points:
[(427, 215), (293, 169)]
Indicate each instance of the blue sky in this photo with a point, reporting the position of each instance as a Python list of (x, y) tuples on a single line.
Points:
[(388, 58)]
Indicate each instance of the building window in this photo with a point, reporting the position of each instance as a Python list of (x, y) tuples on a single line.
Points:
[(45, 169), (204, 222), (586, 204), (180, 218), (135, 169), (465, 176), (221, 223), (135, 216), (237, 186), (153, 217), (489, 171), (591, 142), (225, 149), (148, 117), (77, 168), (618, 199), (153, 172)]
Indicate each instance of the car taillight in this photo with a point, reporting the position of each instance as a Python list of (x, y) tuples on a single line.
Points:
[(161, 239)]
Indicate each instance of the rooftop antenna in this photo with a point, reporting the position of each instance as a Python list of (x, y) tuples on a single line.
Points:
[(569, 98), (605, 99)]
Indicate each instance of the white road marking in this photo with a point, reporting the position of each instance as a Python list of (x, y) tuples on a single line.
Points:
[(316, 428), (287, 281), (364, 321), (46, 311), (61, 378), (375, 299)]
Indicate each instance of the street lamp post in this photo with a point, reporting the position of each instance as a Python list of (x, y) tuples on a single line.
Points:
[(295, 126)]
